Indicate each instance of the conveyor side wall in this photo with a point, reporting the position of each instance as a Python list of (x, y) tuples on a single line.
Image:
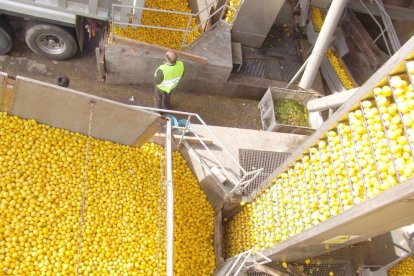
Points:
[(69, 109)]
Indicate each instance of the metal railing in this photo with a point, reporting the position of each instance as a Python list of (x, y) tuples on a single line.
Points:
[(388, 28), (136, 11), (242, 262), (240, 184)]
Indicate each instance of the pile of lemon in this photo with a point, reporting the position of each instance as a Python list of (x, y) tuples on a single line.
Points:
[(318, 18), (42, 179), (405, 267), (369, 152), (167, 38), (231, 12)]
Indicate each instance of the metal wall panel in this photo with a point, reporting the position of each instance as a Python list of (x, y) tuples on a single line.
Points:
[(254, 21)]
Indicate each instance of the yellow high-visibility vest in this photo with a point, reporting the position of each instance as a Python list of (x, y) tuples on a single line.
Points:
[(172, 76)]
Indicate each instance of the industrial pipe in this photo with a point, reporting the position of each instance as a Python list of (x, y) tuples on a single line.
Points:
[(331, 101), (170, 201), (322, 43)]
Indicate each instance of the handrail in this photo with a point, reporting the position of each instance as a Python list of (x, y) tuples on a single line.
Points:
[(207, 19), (188, 30), (251, 259), (151, 27), (203, 123), (240, 184), (170, 201), (208, 6), (151, 9)]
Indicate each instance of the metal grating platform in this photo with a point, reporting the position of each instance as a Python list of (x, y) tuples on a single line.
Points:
[(342, 262), (255, 159), (279, 58)]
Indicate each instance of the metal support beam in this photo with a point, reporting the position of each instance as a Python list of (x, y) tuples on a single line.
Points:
[(322, 43), (331, 101), (170, 201)]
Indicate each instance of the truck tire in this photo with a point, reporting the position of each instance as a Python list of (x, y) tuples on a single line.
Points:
[(6, 36), (50, 41)]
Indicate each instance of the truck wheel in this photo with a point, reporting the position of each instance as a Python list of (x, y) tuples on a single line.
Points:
[(51, 41), (6, 36)]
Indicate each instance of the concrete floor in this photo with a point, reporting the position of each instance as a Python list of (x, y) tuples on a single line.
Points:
[(81, 70)]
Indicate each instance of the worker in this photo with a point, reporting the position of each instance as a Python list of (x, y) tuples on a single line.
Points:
[(166, 78), (63, 81)]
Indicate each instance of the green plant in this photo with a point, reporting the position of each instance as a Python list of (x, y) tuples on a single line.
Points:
[(291, 112)]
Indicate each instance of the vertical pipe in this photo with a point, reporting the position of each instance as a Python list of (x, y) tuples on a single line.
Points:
[(322, 43), (170, 201)]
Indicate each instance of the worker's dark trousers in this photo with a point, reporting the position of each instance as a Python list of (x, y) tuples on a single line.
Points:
[(162, 100)]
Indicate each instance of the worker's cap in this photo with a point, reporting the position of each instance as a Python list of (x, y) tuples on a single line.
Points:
[(171, 57)]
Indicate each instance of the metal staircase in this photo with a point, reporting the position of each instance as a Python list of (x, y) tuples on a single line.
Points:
[(241, 263), (213, 165)]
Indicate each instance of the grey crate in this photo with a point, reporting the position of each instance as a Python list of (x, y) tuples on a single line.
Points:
[(267, 114)]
